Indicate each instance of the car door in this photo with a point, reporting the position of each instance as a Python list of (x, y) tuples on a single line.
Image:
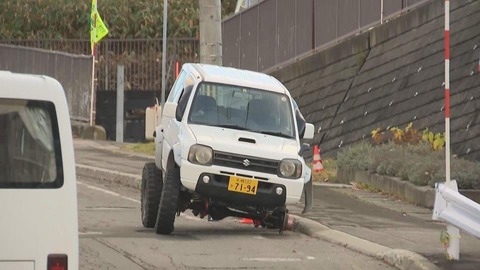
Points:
[(171, 127)]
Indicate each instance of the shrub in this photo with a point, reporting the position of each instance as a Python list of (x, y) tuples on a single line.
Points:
[(425, 171), (417, 163), (467, 174), (385, 160), (355, 156), (124, 19)]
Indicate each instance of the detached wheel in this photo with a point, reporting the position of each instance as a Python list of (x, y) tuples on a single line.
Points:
[(168, 202), (152, 184)]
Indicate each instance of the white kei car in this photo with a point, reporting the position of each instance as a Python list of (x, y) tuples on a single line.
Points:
[(229, 144)]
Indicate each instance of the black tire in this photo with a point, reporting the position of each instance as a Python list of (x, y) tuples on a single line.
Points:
[(168, 202), (152, 184)]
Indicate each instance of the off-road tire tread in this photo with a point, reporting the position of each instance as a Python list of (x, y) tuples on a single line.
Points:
[(168, 202), (152, 184)]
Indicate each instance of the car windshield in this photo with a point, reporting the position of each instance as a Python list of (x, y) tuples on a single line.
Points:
[(242, 108)]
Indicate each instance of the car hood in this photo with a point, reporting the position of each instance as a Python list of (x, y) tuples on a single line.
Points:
[(246, 142)]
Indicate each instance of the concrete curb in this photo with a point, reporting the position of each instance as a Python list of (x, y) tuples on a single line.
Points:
[(332, 185), (401, 259), (85, 131), (125, 179), (405, 259), (419, 195)]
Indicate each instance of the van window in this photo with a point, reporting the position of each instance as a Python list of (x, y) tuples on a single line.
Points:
[(30, 154)]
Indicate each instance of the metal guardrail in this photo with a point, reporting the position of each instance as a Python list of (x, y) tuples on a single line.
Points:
[(459, 212)]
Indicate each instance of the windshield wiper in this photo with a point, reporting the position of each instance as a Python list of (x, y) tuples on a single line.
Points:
[(276, 133), (232, 126)]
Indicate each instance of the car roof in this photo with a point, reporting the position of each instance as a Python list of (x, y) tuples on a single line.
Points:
[(240, 77), (29, 86)]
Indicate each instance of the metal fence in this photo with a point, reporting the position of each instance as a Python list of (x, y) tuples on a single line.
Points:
[(276, 31), (142, 59), (74, 72)]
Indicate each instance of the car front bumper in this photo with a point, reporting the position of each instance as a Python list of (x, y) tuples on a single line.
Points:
[(266, 195)]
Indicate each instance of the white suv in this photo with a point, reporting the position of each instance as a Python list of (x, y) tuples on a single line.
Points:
[(228, 145)]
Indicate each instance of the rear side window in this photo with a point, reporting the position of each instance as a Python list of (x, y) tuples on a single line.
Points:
[(30, 153)]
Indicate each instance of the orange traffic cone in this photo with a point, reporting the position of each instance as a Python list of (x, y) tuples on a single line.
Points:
[(317, 160)]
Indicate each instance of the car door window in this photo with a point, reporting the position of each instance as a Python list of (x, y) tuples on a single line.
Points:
[(177, 87), (183, 101)]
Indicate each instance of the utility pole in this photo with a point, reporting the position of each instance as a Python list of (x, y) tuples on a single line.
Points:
[(164, 51), (210, 32)]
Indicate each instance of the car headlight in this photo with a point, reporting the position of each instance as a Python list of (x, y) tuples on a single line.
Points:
[(290, 168), (200, 154)]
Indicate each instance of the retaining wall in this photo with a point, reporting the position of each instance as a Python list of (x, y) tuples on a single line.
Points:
[(392, 75)]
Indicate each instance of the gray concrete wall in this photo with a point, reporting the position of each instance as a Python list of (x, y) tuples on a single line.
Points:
[(73, 71), (392, 75)]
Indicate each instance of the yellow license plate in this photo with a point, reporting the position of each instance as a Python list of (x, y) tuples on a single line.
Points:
[(243, 185)]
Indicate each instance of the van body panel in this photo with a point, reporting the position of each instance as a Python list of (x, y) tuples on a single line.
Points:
[(37, 222)]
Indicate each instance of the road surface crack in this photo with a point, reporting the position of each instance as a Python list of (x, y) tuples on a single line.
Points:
[(128, 256)]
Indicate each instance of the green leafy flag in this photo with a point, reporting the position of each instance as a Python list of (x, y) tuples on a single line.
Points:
[(98, 30)]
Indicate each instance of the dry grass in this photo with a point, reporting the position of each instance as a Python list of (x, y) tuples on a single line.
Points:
[(141, 148), (329, 173)]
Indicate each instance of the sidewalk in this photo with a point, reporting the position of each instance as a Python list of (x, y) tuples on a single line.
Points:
[(389, 222), (348, 215)]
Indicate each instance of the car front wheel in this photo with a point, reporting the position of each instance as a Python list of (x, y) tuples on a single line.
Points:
[(168, 202), (152, 184)]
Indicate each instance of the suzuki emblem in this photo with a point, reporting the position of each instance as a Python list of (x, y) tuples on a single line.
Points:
[(246, 162)]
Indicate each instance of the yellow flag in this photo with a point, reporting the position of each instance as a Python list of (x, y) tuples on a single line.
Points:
[(98, 30)]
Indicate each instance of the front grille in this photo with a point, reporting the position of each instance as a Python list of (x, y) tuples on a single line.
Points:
[(239, 161)]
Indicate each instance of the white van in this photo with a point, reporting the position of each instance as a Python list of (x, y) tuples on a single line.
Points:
[(38, 197)]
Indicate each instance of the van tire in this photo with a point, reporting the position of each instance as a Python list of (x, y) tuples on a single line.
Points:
[(168, 202), (151, 190)]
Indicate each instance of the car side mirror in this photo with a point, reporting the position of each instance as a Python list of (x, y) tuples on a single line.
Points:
[(309, 131), (170, 109), (304, 148)]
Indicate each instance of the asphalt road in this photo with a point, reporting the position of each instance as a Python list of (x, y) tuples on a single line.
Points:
[(112, 237), (371, 216)]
